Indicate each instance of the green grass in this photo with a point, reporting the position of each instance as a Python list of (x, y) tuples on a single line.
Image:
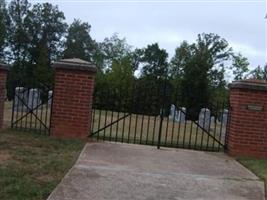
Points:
[(257, 166), (31, 165)]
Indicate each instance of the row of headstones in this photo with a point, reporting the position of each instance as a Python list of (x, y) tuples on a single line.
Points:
[(204, 118), (30, 97)]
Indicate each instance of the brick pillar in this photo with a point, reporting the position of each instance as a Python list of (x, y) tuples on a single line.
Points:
[(247, 134), (3, 75), (72, 98)]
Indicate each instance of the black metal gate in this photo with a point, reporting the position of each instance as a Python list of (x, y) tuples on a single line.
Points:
[(31, 109), (141, 118)]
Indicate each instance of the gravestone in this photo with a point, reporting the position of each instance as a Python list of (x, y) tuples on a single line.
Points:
[(173, 113), (181, 115), (50, 94), (20, 99), (204, 118), (34, 98), (212, 120), (224, 116)]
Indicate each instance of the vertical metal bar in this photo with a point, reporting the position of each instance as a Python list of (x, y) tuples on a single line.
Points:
[(179, 131), (147, 128), (112, 110), (106, 112), (136, 118), (173, 123), (154, 129), (99, 121), (202, 133), (25, 126), (215, 127), (21, 111), (46, 112), (167, 129), (221, 128), (50, 107), (41, 118), (196, 138), (209, 131), (162, 112), (190, 136), (93, 120), (36, 108), (17, 108), (135, 127), (13, 110), (118, 115), (131, 112), (185, 126), (31, 111)]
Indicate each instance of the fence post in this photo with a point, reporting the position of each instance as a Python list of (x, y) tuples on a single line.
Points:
[(247, 133), (3, 75), (72, 98)]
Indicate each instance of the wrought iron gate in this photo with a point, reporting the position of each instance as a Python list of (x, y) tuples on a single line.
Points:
[(31, 109), (142, 118)]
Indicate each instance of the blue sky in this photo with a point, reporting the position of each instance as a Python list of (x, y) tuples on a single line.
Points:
[(169, 22)]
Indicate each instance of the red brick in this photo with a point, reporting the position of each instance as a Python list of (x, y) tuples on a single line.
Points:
[(72, 103), (247, 134)]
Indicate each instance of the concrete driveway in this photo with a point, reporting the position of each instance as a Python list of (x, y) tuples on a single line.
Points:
[(126, 172)]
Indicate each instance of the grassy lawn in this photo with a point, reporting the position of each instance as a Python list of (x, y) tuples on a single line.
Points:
[(144, 130), (31, 165), (259, 167)]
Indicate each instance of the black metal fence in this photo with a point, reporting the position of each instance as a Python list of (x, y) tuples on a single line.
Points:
[(153, 118), (31, 109)]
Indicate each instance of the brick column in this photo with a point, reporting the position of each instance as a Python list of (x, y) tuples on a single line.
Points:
[(247, 134), (3, 75), (72, 98)]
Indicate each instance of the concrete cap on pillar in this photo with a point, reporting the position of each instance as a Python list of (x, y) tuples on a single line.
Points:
[(3, 67), (75, 64), (251, 84)]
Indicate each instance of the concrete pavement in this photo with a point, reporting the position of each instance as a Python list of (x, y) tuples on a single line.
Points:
[(126, 171)]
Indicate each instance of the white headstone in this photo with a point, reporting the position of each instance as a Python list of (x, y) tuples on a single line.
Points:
[(50, 94), (20, 99), (212, 120), (180, 117), (34, 98), (204, 118), (172, 112), (224, 116)]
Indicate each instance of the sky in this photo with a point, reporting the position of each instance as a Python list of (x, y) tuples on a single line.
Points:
[(241, 23)]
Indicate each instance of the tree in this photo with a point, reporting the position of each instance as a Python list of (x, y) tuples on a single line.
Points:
[(35, 36), (112, 48), (209, 52), (79, 43), (176, 68), (121, 79), (240, 66), (259, 73), (154, 61), (2, 28), (18, 39)]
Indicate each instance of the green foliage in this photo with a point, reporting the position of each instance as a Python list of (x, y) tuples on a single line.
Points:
[(2, 28), (240, 66), (154, 61), (79, 43), (35, 41), (194, 69), (112, 48), (259, 73)]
